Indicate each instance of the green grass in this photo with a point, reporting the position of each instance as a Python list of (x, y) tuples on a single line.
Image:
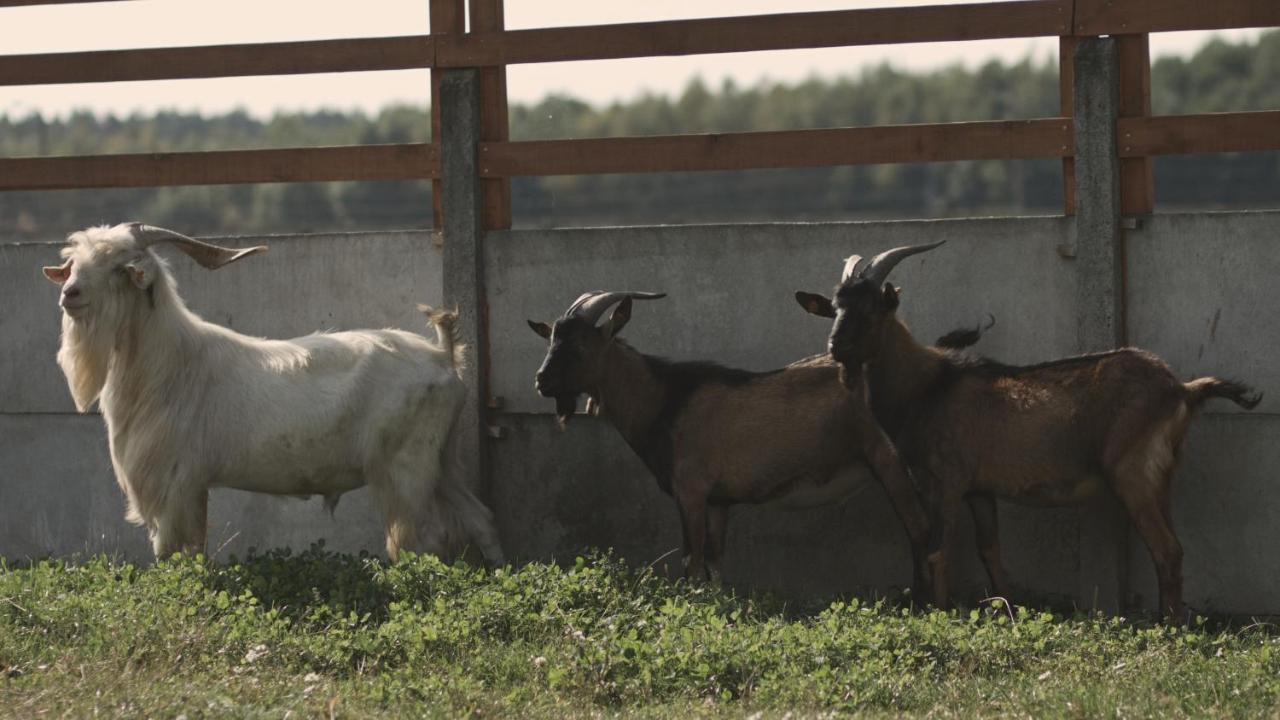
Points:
[(315, 633)]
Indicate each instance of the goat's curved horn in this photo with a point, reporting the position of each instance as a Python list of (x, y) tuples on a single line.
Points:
[(851, 267), (877, 271), (591, 305), (207, 255)]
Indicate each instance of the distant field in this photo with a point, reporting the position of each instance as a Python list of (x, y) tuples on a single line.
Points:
[(319, 634)]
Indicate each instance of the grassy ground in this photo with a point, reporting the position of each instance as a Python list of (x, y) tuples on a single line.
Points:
[(319, 634)]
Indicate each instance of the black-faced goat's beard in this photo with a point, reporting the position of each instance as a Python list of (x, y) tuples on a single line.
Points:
[(566, 406), (85, 357)]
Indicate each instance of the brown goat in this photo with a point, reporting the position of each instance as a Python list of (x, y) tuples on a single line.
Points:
[(972, 429), (715, 436)]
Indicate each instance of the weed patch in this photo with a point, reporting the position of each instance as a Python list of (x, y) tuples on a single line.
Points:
[(316, 632)]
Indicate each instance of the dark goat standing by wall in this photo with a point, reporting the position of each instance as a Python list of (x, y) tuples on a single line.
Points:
[(1055, 433), (715, 436)]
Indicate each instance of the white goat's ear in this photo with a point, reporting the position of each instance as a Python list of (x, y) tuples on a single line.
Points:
[(142, 271), (58, 273)]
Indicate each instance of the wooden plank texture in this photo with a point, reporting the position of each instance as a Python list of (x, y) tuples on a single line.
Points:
[(446, 17), (365, 162), (1133, 55), (1066, 100), (1044, 137), (932, 23), (1190, 134), (291, 58), (1124, 17), (487, 16)]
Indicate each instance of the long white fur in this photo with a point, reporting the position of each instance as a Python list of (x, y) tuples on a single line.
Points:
[(191, 405)]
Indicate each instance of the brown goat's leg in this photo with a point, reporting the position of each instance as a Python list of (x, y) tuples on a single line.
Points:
[(717, 524), (693, 517), (944, 543), (888, 468), (1149, 519), (987, 528)]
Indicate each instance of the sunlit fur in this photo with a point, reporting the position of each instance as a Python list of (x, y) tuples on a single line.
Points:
[(190, 405)]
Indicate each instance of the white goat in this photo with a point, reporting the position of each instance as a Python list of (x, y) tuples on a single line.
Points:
[(190, 405)]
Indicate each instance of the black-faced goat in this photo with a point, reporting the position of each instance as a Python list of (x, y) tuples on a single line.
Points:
[(1056, 433), (715, 436)]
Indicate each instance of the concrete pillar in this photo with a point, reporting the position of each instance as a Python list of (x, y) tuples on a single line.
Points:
[(464, 258), (1099, 265)]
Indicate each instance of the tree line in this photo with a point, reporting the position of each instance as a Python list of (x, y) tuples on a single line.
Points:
[(1221, 76)]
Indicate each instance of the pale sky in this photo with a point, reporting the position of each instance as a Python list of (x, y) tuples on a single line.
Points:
[(168, 23)]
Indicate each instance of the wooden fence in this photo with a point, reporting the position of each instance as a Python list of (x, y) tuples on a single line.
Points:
[(491, 48)]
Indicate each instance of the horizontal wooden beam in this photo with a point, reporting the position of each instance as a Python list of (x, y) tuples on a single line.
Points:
[(290, 58), (360, 162), (1126, 17), (1015, 139), (934, 23), (1189, 134)]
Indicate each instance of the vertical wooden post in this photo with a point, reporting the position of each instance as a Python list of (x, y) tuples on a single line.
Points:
[(487, 16), (1137, 195), (1066, 94), (446, 17)]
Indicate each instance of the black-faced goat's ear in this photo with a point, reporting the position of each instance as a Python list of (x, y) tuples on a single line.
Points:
[(815, 304), (58, 273), (541, 328), (891, 296), (618, 318)]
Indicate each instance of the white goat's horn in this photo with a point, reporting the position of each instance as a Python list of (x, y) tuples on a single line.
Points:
[(591, 305), (207, 255)]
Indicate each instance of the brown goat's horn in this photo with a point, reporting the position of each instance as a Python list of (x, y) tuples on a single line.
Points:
[(877, 271), (851, 268), (591, 305), (207, 255)]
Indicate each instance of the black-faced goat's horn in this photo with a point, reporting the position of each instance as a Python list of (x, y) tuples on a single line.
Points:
[(207, 255), (877, 271), (591, 305)]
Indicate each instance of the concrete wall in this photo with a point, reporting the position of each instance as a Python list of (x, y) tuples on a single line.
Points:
[(1198, 294), (1202, 294)]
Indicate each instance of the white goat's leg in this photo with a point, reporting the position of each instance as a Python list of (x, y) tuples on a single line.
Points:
[(474, 518), (182, 525)]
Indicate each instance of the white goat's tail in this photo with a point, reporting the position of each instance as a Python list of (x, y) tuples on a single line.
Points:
[(446, 324)]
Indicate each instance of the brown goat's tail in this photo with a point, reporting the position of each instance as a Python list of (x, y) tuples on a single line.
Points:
[(961, 338), (1202, 389), (446, 324)]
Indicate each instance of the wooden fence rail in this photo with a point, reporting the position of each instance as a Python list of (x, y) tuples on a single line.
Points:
[(221, 167), (491, 48)]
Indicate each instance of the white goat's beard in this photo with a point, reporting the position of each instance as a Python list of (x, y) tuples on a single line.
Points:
[(85, 356)]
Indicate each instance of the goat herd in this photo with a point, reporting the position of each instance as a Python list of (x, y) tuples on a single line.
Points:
[(191, 405)]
